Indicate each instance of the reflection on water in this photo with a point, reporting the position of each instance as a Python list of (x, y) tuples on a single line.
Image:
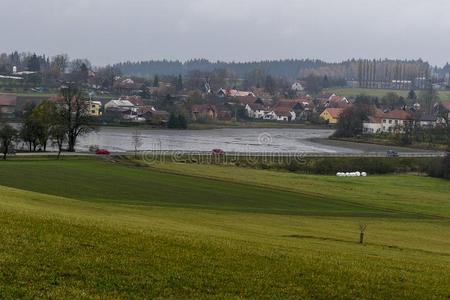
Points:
[(230, 139)]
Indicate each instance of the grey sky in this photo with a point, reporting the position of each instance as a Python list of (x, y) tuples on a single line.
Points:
[(108, 31)]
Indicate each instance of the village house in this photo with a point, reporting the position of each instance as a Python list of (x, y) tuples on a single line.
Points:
[(135, 100), (8, 106), (153, 116), (443, 109), (119, 104), (203, 112), (280, 114), (284, 114), (331, 101), (301, 107), (256, 110), (123, 110), (126, 86), (324, 97), (233, 93), (297, 87), (95, 108), (396, 121), (331, 115), (431, 120), (373, 125)]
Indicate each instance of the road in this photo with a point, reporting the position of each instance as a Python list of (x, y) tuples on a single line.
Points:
[(149, 154)]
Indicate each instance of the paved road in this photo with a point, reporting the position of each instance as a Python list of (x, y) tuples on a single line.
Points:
[(149, 154)]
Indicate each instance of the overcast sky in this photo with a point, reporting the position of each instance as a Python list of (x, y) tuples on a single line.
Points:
[(109, 31)]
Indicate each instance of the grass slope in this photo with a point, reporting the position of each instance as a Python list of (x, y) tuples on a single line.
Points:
[(92, 229), (352, 92)]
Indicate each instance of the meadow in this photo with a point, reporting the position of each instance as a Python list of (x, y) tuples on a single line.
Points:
[(353, 92), (91, 228)]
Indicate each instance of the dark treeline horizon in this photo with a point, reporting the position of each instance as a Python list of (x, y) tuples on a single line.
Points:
[(292, 69)]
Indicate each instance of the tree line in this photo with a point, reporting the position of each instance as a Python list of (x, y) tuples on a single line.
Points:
[(363, 70)]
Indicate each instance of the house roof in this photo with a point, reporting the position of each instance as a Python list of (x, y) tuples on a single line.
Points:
[(161, 113), (446, 105), (378, 113), (374, 119), (283, 111), (334, 112), (398, 114), (203, 107), (335, 98), (237, 93), (290, 103), (247, 100), (256, 106), (119, 103), (135, 100), (8, 100), (145, 109)]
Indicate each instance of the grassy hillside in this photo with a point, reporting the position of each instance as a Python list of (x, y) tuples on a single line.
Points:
[(352, 92), (87, 229)]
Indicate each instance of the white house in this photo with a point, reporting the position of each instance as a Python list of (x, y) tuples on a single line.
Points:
[(298, 87), (396, 120), (119, 104), (373, 125), (234, 93), (280, 115), (255, 110)]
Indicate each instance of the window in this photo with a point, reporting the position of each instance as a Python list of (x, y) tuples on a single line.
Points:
[(390, 121)]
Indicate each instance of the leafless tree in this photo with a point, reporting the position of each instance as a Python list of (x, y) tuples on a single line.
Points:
[(74, 114), (137, 141)]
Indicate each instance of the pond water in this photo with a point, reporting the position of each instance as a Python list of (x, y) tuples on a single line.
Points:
[(230, 140)]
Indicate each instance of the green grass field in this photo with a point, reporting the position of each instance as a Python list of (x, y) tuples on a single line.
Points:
[(352, 92), (85, 228)]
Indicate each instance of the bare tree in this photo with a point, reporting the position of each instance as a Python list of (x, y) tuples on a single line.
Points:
[(59, 65), (137, 141), (58, 134), (74, 114)]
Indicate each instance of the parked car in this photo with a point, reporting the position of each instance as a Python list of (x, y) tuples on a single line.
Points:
[(102, 152), (392, 153), (218, 152)]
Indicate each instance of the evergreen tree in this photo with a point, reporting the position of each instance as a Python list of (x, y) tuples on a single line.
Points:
[(179, 84), (156, 81), (173, 121), (412, 95), (182, 122)]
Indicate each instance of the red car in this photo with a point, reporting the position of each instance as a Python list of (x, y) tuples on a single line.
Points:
[(102, 152)]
